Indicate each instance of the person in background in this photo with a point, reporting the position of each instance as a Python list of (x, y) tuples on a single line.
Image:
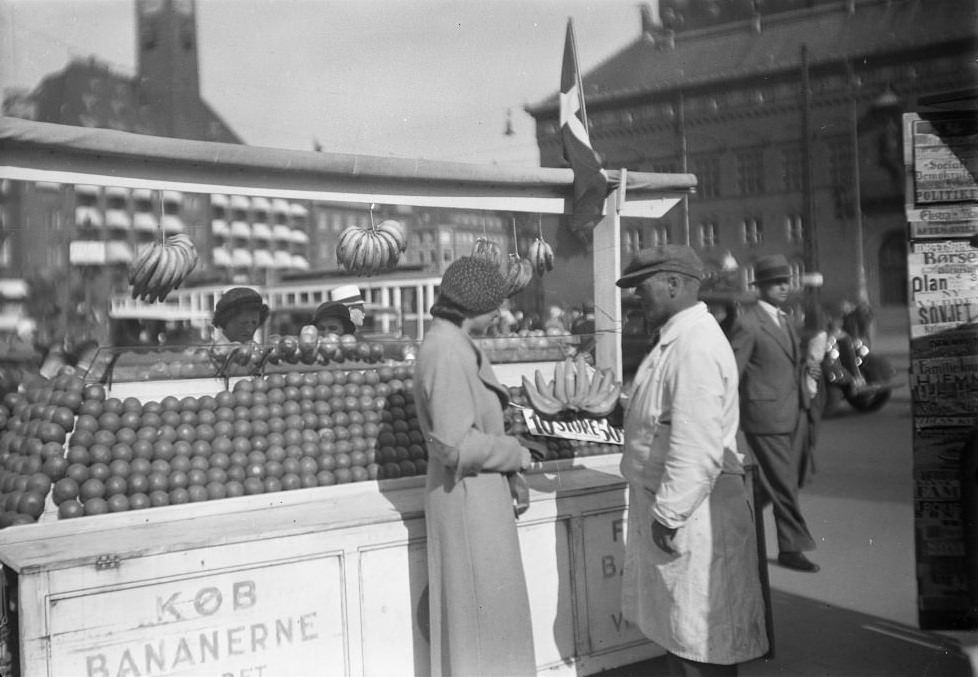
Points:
[(773, 404), (333, 317), (691, 581), (584, 327), (349, 295), (479, 605), (555, 319), (817, 327), (238, 315)]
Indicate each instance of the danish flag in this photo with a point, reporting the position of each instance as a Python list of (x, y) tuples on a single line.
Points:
[(590, 180)]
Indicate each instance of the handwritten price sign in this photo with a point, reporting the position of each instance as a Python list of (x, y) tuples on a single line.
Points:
[(587, 429)]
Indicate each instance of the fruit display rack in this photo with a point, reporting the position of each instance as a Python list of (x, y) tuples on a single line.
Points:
[(288, 502)]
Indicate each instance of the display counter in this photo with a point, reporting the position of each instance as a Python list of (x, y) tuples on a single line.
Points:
[(317, 580)]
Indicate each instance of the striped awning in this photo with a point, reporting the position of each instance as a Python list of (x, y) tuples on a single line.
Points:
[(241, 258), (299, 236), (118, 218), (89, 217), (13, 288), (221, 257), (280, 206), (219, 200), (240, 202), (300, 262), (172, 196), (172, 224), (261, 204), (144, 221), (86, 189), (281, 232), (117, 192), (298, 210), (261, 231), (142, 194), (220, 228), (240, 229), (283, 259), (264, 259), (118, 251)]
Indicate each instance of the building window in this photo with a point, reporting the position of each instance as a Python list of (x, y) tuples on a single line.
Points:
[(707, 170), (708, 234), (633, 240), (660, 235), (794, 227), (750, 172), (752, 231), (791, 169)]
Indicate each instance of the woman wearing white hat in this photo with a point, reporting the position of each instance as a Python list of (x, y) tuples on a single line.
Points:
[(349, 295)]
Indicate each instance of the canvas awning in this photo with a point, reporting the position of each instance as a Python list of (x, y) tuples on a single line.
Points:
[(40, 151)]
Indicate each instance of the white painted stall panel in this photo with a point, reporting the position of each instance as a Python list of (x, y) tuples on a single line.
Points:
[(545, 547), (279, 620), (604, 558), (394, 608)]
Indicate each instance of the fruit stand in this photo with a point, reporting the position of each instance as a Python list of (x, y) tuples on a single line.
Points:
[(243, 512)]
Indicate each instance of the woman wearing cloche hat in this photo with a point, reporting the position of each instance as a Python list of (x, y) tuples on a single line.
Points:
[(478, 601), (239, 313)]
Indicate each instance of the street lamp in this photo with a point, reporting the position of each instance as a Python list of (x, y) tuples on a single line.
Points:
[(888, 99)]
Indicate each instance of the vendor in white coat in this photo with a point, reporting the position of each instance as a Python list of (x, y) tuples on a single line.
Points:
[(691, 581)]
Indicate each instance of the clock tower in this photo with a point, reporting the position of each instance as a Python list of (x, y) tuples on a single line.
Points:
[(168, 67)]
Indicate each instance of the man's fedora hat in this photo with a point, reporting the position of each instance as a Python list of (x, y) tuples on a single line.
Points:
[(773, 268)]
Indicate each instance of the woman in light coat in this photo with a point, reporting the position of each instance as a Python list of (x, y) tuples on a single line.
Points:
[(479, 607)]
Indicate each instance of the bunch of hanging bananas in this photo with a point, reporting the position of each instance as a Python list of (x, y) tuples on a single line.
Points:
[(366, 250), (487, 249), (161, 267), (541, 255), (575, 387), (518, 273)]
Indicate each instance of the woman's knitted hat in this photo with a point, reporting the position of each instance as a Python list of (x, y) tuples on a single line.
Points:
[(475, 285), (235, 300)]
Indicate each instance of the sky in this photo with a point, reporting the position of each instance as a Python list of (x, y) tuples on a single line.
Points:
[(427, 79)]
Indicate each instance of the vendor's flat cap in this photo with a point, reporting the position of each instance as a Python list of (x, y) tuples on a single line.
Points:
[(667, 258)]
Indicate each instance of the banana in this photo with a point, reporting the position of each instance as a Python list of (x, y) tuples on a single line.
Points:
[(159, 272), (142, 256), (541, 383), (146, 271), (560, 384), (540, 401), (582, 382), (541, 255), (608, 404), (594, 394), (396, 230), (570, 383), (393, 248)]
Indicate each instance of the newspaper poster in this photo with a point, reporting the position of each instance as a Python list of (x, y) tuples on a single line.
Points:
[(942, 221), (943, 279), (945, 159), (941, 157)]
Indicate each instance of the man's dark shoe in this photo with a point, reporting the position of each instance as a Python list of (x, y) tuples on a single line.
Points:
[(797, 561)]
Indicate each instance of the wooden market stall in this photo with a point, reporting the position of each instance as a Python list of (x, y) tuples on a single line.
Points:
[(329, 579)]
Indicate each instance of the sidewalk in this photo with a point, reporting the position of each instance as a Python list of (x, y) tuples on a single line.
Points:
[(813, 639)]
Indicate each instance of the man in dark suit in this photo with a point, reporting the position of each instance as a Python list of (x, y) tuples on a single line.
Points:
[(773, 404)]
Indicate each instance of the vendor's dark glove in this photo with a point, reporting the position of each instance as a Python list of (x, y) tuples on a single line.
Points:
[(663, 537)]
